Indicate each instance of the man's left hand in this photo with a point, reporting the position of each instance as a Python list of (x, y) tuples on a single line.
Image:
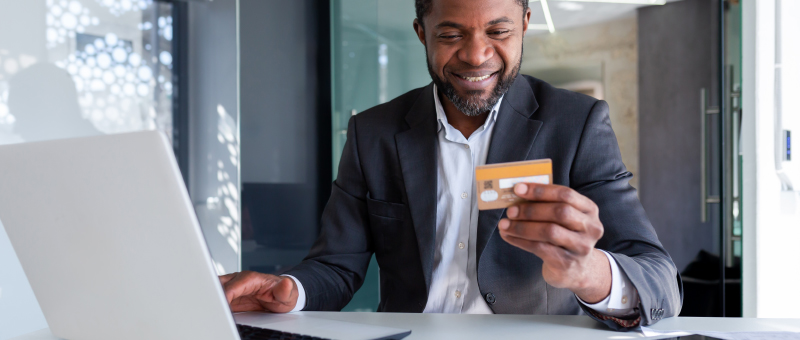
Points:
[(561, 227)]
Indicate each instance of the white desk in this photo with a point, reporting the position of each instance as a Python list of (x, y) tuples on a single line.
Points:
[(466, 327)]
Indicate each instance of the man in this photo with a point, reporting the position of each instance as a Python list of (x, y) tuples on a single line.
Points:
[(406, 192)]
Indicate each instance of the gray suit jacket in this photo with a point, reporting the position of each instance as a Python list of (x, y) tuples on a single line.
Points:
[(384, 202)]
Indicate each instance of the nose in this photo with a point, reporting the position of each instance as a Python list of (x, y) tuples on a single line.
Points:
[(476, 51)]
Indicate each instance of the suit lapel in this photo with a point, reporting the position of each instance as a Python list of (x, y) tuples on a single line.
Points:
[(512, 140), (417, 150)]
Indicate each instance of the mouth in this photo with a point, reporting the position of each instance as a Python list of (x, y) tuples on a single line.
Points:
[(475, 77), (475, 80)]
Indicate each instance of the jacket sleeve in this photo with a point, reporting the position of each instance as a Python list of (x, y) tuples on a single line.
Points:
[(337, 263), (598, 173)]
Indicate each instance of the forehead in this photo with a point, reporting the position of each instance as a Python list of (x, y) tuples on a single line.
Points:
[(473, 12)]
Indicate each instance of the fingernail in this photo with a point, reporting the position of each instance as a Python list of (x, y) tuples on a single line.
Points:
[(512, 211), (520, 189), (504, 223)]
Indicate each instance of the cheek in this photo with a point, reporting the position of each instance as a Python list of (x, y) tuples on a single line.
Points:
[(440, 57), (509, 56)]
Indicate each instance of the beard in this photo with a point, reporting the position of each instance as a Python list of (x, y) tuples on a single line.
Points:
[(472, 104)]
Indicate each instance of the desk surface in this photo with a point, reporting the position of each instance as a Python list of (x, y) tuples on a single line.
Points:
[(562, 327)]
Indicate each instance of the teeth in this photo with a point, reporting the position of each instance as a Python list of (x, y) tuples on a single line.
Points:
[(476, 79)]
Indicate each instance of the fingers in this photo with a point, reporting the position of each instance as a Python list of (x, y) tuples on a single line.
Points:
[(223, 279), (282, 297), (244, 284), (547, 252), (545, 232), (560, 213), (555, 193), (251, 291)]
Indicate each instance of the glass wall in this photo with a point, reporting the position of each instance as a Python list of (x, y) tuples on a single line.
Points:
[(376, 57), (74, 68), (81, 67)]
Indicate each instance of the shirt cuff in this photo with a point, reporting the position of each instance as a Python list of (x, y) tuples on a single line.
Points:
[(623, 297), (301, 297)]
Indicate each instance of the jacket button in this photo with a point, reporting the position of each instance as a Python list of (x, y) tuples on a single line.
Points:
[(490, 298)]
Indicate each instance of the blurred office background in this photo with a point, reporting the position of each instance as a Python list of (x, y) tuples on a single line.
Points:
[(256, 94)]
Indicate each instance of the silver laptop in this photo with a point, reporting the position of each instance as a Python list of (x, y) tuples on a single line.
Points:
[(108, 238)]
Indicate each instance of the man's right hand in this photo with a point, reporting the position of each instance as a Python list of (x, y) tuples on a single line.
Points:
[(250, 291)]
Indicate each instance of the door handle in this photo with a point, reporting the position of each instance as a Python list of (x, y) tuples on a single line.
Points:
[(705, 199)]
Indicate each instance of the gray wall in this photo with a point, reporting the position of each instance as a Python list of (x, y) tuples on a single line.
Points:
[(282, 125), (279, 91)]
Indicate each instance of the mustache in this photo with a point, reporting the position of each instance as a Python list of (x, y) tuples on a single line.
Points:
[(471, 104), (473, 71)]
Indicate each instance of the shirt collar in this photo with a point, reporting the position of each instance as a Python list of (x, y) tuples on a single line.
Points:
[(442, 117)]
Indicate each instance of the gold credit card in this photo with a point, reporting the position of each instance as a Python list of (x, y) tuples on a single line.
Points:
[(495, 182)]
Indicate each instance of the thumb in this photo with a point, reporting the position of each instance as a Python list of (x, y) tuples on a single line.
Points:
[(285, 291)]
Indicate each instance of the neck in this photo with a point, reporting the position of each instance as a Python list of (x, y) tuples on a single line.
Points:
[(463, 123)]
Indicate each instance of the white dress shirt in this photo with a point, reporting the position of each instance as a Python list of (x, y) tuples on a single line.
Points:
[(454, 283)]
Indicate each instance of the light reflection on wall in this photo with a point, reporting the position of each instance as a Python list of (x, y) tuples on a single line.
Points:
[(120, 7), (119, 54), (65, 19), (10, 64), (115, 84), (227, 181)]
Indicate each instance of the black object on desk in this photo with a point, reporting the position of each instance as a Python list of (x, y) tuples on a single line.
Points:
[(255, 333)]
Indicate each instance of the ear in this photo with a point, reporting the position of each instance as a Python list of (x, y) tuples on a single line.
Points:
[(420, 31), (525, 20)]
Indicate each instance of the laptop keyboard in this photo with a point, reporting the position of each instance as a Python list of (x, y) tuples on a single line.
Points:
[(255, 333)]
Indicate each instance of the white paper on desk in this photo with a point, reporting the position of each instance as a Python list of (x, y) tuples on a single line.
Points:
[(753, 335), (648, 332)]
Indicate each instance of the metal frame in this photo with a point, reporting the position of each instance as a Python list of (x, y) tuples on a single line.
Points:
[(725, 209), (325, 35), (180, 99)]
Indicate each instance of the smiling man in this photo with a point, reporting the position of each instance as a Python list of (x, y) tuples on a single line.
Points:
[(406, 193)]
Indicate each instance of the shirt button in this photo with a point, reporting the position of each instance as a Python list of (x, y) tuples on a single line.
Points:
[(466, 146), (463, 195), (624, 299), (458, 294), (490, 299), (460, 245)]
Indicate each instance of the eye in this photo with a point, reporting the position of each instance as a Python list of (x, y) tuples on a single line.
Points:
[(449, 36), (499, 32)]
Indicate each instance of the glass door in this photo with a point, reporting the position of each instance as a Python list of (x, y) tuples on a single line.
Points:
[(690, 71)]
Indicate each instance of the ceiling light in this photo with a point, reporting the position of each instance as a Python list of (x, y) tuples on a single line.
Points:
[(538, 27), (547, 17), (570, 6), (635, 2)]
